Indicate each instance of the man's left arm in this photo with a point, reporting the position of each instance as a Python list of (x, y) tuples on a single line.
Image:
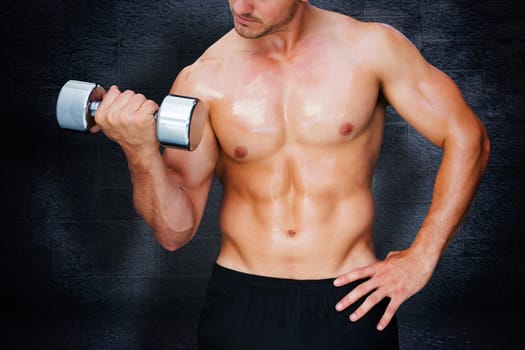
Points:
[(431, 103)]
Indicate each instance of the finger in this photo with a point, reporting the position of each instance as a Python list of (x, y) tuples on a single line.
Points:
[(388, 315), (135, 103), (94, 129), (109, 97), (355, 275), (367, 305), (121, 102), (114, 112), (149, 107), (356, 294)]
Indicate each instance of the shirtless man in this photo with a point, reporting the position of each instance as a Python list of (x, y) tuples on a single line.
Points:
[(296, 98)]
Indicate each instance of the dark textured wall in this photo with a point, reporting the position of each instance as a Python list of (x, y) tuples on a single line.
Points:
[(79, 268)]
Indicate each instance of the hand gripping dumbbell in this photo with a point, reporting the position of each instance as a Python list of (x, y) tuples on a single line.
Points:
[(180, 119)]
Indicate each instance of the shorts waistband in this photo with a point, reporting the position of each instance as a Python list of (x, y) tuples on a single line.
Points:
[(224, 278)]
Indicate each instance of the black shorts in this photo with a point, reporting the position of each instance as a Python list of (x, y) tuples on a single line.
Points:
[(247, 312)]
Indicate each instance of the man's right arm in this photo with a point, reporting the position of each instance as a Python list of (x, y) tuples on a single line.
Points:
[(170, 190)]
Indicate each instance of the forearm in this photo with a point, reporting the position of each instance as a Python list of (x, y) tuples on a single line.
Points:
[(462, 167), (160, 201)]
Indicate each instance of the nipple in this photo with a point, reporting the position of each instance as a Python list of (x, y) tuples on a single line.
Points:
[(346, 129), (240, 152)]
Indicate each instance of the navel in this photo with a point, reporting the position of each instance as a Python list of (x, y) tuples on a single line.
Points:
[(346, 129), (240, 152), (292, 232)]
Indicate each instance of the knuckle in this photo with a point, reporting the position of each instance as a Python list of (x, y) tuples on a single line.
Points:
[(343, 279), (358, 291), (140, 98), (110, 115), (373, 299), (394, 305), (387, 316), (349, 298), (365, 288), (152, 103), (352, 297), (112, 93), (400, 292)]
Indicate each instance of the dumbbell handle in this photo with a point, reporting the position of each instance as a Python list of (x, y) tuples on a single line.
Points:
[(93, 107)]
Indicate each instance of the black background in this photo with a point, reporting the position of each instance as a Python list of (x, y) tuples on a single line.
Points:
[(80, 270)]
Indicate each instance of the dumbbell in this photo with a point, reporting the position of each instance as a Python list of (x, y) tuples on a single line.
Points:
[(180, 119)]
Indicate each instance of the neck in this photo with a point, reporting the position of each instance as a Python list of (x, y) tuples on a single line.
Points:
[(284, 41)]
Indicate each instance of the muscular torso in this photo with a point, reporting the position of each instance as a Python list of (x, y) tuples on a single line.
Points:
[(298, 138)]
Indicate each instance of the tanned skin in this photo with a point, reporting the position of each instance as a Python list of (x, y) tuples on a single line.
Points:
[(296, 98)]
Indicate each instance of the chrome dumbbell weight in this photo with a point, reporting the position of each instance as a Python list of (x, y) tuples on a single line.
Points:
[(180, 119)]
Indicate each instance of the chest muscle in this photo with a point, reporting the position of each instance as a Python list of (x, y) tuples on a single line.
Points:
[(267, 107)]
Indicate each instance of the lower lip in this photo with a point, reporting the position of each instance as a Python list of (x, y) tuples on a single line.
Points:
[(243, 21)]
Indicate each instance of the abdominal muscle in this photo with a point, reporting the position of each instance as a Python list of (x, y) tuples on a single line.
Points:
[(291, 231)]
